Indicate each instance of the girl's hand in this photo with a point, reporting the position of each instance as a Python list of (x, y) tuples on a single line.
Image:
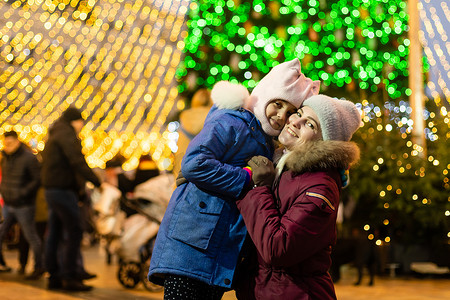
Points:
[(263, 171), (180, 179)]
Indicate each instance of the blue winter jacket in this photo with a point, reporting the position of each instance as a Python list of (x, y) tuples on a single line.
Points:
[(202, 231)]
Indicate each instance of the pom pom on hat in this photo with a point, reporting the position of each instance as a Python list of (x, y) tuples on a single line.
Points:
[(72, 114), (339, 118), (228, 95), (285, 82)]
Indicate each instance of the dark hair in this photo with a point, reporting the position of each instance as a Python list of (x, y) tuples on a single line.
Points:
[(72, 114), (11, 133), (116, 161)]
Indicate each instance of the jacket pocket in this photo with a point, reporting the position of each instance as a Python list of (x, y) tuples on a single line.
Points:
[(197, 217), (321, 201)]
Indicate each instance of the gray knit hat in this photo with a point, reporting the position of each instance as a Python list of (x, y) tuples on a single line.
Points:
[(339, 118)]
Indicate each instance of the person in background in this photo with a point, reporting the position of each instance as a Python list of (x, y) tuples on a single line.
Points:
[(41, 218), (147, 169), (115, 175), (290, 213), (87, 225), (191, 123), (19, 186), (62, 162)]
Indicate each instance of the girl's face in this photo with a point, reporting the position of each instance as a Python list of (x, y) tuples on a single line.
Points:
[(277, 112), (301, 127)]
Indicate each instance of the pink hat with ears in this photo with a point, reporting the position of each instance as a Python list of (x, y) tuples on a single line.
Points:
[(284, 82)]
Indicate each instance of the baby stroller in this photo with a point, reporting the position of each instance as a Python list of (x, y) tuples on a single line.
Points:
[(135, 243), (108, 218)]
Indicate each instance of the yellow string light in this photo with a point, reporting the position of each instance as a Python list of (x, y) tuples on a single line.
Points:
[(115, 61), (441, 54)]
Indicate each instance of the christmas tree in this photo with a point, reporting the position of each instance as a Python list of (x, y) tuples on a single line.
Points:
[(359, 50)]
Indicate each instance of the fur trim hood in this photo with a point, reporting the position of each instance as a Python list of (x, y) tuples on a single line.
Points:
[(319, 155)]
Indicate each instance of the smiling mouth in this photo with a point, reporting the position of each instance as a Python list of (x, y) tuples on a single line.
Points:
[(289, 130), (275, 124)]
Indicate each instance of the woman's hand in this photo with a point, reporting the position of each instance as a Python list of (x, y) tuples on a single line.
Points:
[(263, 172)]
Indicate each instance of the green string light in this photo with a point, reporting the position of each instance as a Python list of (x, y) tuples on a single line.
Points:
[(364, 39)]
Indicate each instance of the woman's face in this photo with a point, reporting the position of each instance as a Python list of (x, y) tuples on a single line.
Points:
[(301, 127), (277, 112)]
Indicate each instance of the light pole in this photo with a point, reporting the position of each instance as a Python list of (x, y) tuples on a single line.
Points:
[(416, 84)]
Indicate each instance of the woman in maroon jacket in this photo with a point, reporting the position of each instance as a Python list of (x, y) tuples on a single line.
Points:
[(293, 222)]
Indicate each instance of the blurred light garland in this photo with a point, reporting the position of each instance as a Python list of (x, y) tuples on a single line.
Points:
[(114, 59), (435, 18)]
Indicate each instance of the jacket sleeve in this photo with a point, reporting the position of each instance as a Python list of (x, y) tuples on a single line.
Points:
[(286, 240), (203, 163), (33, 169), (71, 147)]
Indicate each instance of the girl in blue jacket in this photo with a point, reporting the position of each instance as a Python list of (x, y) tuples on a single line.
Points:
[(198, 244)]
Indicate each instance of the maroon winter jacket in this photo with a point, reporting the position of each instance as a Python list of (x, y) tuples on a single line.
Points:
[(294, 227)]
